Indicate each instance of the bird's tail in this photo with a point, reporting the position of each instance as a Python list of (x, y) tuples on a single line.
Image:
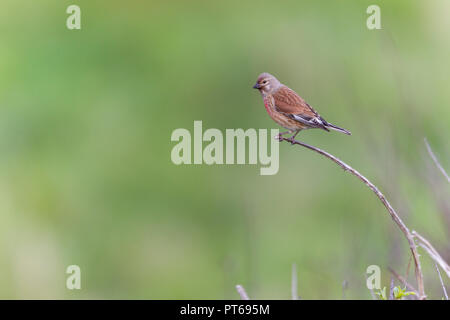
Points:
[(336, 128)]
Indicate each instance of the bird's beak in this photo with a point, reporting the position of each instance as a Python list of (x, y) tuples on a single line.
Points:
[(257, 86)]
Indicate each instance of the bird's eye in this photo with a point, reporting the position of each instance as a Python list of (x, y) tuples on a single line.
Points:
[(264, 82)]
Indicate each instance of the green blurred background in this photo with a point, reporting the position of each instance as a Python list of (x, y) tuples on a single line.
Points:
[(85, 123)]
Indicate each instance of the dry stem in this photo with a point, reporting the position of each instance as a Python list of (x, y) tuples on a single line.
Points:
[(392, 212), (425, 244), (391, 290), (442, 282), (403, 281), (240, 289), (435, 159)]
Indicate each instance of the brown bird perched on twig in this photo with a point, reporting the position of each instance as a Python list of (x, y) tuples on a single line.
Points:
[(288, 109)]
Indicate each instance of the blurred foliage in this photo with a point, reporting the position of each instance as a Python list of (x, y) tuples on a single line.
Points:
[(85, 124)]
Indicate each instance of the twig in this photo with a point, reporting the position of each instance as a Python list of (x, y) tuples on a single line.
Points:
[(435, 159), (440, 193), (425, 244), (402, 280), (240, 289), (392, 212), (294, 282), (391, 290), (442, 282)]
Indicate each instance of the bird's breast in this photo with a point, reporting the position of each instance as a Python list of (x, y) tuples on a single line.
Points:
[(279, 117), (269, 104)]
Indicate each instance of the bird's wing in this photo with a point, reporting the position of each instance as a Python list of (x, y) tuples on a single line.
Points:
[(290, 103)]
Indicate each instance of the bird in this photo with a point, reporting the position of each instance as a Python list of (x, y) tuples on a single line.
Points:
[(288, 109)]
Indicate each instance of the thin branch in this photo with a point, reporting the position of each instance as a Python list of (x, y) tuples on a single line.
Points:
[(403, 281), (440, 194), (425, 244), (391, 290), (240, 289), (392, 212), (435, 159), (294, 282), (442, 282)]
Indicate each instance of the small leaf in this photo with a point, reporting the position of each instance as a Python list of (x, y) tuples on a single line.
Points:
[(397, 292), (382, 294)]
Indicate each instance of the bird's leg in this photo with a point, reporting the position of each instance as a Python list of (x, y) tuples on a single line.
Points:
[(279, 136), (293, 136)]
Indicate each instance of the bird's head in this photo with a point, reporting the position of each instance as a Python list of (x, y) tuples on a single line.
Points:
[(267, 83)]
